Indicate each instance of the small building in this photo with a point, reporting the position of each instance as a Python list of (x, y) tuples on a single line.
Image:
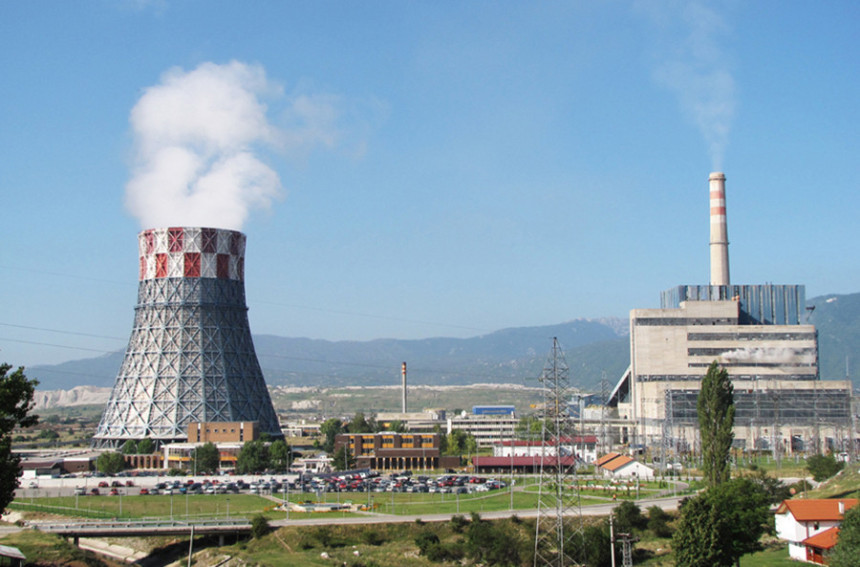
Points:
[(485, 428), (389, 451), (523, 465), (424, 421), (584, 447), (223, 431), (616, 465), (799, 520), (181, 455), (819, 545), (494, 410), (312, 465), (11, 556)]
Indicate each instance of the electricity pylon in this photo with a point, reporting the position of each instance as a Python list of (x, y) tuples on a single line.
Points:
[(559, 535)]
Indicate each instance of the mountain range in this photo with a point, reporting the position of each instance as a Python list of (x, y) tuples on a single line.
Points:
[(595, 349)]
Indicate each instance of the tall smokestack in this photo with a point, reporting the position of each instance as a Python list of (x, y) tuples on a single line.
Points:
[(190, 357), (719, 231), (403, 387)]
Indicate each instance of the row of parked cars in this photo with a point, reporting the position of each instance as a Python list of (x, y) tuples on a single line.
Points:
[(360, 482)]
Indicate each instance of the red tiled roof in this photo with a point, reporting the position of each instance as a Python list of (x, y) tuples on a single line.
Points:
[(617, 463), (606, 458), (817, 509), (824, 540)]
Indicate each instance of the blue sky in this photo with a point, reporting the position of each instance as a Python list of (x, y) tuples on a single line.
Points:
[(442, 168)]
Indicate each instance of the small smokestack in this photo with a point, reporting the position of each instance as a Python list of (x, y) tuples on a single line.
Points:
[(719, 230), (403, 387)]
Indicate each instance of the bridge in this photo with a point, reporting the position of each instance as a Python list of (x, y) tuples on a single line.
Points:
[(143, 528)]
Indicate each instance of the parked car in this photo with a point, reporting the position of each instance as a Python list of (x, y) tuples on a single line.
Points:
[(80, 491), (144, 491), (95, 492)]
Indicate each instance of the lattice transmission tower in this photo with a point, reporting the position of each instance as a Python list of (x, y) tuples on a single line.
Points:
[(559, 536)]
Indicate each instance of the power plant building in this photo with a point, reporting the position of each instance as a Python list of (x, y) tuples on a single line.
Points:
[(757, 334), (190, 358)]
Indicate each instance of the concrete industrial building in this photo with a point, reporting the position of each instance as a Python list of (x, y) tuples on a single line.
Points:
[(757, 333), (190, 357)]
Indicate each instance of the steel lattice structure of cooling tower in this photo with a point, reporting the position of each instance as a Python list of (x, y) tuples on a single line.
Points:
[(190, 357)]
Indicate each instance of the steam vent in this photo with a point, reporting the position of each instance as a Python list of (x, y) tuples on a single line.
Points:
[(190, 357)]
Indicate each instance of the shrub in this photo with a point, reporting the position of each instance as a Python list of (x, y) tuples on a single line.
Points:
[(458, 523), (628, 516), (658, 521), (372, 537), (259, 526), (426, 540)]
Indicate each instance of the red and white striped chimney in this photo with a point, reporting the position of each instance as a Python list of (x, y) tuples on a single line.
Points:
[(719, 231)]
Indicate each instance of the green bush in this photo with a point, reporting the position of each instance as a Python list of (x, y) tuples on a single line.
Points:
[(822, 467), (372, 537), (458, 523), (259, 526), (658, 521), (628, 517)]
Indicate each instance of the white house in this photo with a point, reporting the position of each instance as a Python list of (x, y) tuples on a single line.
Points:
[(799, 520), (616, 465)]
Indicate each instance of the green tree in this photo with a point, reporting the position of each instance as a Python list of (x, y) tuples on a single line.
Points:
[(279, 455), (628, 517), (207, 458), (129, 447), (593, 546), (716, 411), (16, 402), (330, 429), (361, 424), (822, 467), (720, 525), (396, 426), (460, 443), (259, 526), (110, 463), (847, 548), (343, 459), (145, 446), (253, 458)]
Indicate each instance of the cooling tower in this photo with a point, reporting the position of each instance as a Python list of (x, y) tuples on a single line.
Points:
[(190, 357)]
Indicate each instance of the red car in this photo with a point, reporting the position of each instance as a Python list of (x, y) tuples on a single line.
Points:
[(103, 484), (114, 492), (144, 491)]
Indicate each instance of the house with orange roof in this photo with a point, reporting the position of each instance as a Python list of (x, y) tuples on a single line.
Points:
[(800, 522), (819, 544), (616, 465)]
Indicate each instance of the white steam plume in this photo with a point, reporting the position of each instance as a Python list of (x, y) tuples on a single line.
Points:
[(696, 68), (196, 134)]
